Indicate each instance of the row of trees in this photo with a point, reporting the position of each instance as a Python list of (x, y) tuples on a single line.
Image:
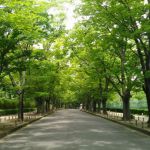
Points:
[(106, 53), (109, 51), (29, 69)]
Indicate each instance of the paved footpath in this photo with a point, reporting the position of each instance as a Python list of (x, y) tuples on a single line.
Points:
[(75, 130)]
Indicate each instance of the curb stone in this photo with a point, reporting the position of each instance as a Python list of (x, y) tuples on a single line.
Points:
[(121, 123), (23, 125)]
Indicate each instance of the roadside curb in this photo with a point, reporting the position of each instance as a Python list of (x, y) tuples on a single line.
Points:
[(23, 125), (121, 123)]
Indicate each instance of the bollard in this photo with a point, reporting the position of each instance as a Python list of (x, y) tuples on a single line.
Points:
[(136, 122), (15, 123), (138, 118), (142, 124), (118, 117)]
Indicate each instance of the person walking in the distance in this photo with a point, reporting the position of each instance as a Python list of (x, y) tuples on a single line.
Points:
[(81, 107)]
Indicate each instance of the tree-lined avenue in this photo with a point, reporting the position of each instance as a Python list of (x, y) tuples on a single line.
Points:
[(75, 130)]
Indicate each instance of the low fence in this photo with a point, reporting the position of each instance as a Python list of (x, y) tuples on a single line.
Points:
[(137, 120), (12, 120)]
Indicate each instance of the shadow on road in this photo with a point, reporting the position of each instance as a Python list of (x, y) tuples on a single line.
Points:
[(75, 130)]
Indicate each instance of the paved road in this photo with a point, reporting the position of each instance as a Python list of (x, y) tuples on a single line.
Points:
[(75, 130)]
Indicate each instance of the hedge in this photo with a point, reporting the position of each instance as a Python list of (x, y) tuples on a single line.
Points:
[(6, 103), (13, 111), (133, 111)]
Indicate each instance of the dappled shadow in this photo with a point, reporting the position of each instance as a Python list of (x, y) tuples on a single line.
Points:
[(74, 130)]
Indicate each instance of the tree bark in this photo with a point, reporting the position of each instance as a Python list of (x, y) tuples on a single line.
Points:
[(21, 106), (100, 94), (104, 106), (39, 105), (47, 106), (145, 64), (104, 99), (147, 93), (53, 104), (126, 106), (99, 106), (94, 106), (87, 107)]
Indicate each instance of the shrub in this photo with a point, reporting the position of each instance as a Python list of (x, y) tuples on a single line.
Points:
[(13, 111), (133, 111), (6, 103)]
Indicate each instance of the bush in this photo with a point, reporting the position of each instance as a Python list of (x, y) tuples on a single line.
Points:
[(6, 103), (139, 111), (133, 111), (13, 111)]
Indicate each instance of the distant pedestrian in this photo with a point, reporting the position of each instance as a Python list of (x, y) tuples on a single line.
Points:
[(80, 107)]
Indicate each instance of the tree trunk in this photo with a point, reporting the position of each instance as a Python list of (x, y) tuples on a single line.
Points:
[(53, 104), (147, 92), (94, 106), (126, 106), (43, 106), (87, 107), (39, 105), (99, 106), (104, 106), (145, 64), (100, 94), (21, 106), (91, 106), (47, 106), (104, 99)]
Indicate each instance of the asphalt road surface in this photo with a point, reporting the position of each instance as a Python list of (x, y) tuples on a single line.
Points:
[(75, 130)]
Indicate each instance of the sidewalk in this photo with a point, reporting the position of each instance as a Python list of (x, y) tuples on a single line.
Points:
[(139, 122), (10, 123)]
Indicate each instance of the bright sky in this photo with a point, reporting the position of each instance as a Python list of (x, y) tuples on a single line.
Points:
[(68, 9), (146, 1), (70, 20)]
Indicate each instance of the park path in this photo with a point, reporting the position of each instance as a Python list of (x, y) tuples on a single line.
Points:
[(75, 130)]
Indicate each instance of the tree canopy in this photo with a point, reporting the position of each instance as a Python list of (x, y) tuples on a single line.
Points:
[(106, 54)]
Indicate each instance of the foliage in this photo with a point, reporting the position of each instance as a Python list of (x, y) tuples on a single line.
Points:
[(14, 111), (105, 57)]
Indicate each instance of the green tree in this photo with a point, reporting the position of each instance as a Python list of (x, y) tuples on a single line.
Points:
[(127, 20)]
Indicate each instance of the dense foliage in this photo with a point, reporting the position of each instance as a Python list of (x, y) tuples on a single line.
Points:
[(104, 59)]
